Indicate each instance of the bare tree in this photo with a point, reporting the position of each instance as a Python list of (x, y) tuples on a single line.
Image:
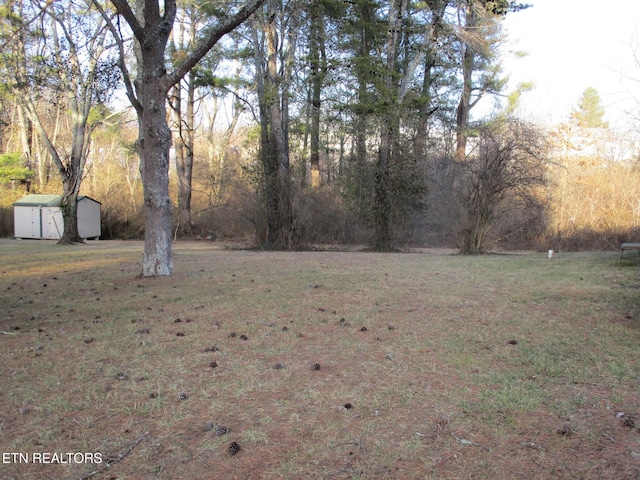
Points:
[(508, 166), (183, 122)]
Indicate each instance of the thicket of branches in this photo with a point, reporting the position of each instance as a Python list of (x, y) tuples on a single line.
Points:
[(317, 122)]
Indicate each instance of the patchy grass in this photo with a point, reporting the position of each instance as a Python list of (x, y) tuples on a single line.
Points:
[(319, 364)]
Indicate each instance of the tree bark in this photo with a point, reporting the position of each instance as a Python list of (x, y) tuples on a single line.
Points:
[(189, 145), (382, 241), (69, 206), (153, 146), (278, 145)]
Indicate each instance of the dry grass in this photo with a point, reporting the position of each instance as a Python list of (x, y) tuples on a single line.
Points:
[(501, 366)]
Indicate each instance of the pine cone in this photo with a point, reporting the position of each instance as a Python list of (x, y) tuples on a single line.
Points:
[(234, 448)]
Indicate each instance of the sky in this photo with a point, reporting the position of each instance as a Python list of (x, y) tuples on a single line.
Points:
[(573, 45)]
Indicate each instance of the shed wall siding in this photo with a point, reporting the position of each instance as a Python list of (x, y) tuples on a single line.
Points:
[(89, 219)]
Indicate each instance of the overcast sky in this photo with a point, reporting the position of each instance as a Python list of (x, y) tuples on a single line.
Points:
[(572, 45)]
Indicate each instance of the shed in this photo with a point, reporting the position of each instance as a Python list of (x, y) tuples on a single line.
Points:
[(40, 216)]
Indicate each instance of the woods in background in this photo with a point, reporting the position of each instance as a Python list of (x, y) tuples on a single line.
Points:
[(311, 122)]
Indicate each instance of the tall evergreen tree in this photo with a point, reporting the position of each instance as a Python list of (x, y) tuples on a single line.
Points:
[(275, 35), (590, 112), (479, 36)]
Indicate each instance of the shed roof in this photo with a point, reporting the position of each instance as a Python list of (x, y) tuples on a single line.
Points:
[(45, 200)]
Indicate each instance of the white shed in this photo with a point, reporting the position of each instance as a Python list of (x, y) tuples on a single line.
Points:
[(40, 216)]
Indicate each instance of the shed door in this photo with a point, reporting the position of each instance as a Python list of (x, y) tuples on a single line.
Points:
[(53, 225), (36, 223)]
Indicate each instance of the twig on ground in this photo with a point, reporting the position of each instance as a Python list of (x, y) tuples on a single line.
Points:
[(533, 445), (111, 459), (534, 460), (464, 441), (160, 471), (610, 438), (8, 333)]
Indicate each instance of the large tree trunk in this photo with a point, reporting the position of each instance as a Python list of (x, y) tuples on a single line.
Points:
[(278, 145), (364, 15), (153, 145), (183, 125), (69, 207), (382, 213), (69, 203), (189, 145), (438, 9), (72, 170), (464, 105)]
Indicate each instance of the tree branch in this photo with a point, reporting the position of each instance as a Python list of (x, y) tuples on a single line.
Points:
[(207, 43), (30, 110), (126, 77), (123, 8)]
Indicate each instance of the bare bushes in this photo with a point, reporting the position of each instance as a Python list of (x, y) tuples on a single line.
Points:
[(500, 187), (227, 209), (324, 218), (231, 205), (320, 216), (591, 240), (113, 179)]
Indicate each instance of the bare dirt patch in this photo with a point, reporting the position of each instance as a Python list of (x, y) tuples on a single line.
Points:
[(267, 365)]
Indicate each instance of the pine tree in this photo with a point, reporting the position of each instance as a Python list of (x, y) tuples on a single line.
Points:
[(590, 112)]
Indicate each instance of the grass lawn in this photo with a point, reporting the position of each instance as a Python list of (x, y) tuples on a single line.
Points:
[(321, 365)]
